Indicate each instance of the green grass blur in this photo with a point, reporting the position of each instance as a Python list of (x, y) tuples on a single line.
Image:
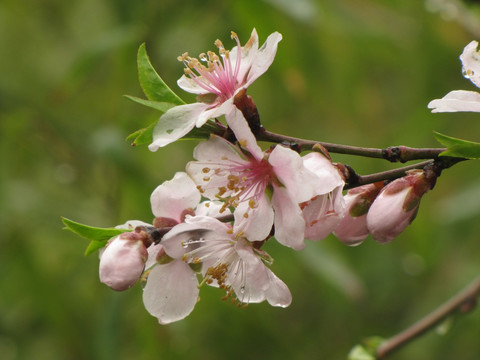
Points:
[(358, 72)]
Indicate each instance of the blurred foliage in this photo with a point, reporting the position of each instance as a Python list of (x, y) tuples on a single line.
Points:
[(359, 72)]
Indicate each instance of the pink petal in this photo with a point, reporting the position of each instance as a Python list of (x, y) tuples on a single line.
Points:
[(176, 123), (277, 293), (236, 121), (289, 223), (249, 52), (455, 101), (327, 175), (122, 262), (171, 291), (323, 214), (172, 197), (288, 167)]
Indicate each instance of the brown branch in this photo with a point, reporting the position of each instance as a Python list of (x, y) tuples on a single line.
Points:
[(393, 153), (463, 302)]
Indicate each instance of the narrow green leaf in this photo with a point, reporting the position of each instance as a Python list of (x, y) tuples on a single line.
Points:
[(152, 84), (94, 246), (90, 232), (458, 147), (142, 136), (157, 105)]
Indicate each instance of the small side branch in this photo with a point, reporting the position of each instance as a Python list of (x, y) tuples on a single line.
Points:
[(462, 302)]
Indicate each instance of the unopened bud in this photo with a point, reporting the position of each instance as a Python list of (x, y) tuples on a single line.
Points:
[(352, 229), (397, 204), (123, 261)]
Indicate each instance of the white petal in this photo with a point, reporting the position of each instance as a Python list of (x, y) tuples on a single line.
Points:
[(289, 223), (217, 149), (455, 101), (277, 293), (189, 85), (176, 123), (264, 58), (471, 63), (257, 223), (193, 228), (172, 197), (212, 209), (171, 291), (132, 224), (237, 122)]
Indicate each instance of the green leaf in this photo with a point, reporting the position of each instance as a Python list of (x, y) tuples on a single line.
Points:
[(152, 84), (142, 136), (90, 232), (360, 353), (157, 105), (458, 147), (94, 246)]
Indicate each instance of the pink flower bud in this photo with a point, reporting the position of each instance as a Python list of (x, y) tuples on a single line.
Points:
[(123, 261), (397, 204), (352, 229)]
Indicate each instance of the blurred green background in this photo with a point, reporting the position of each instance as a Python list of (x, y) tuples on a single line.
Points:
[(357, 72)]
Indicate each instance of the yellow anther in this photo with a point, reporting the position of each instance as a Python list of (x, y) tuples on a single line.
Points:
[(234, 35), (230, 231), (184, 258), (218, 44), (252, 204), (205, 170), (245, 215), (196, 260), (206, 178)]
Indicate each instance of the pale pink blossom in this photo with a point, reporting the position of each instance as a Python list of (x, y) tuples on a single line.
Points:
[(352, 229), (264, 188), (171, 289), (123, 260), (323, 212), (463, 100), (228, 261), (396, 205), (216, 79)]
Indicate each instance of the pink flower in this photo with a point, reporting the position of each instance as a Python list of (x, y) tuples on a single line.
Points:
[(462, 100), (216, 79), (171, 289), (396, 206), (264, 188), (323, 212), (228, 261), (123, 260), (352, 229)]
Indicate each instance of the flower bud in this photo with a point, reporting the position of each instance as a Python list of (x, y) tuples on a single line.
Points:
[(123, 260), (352, 229), (397, 204)]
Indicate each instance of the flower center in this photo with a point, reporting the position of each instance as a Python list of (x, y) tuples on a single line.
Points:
[(238, 182), (217, 74)]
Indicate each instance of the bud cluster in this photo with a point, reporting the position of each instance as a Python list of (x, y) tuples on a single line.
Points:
[(383, 211)]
